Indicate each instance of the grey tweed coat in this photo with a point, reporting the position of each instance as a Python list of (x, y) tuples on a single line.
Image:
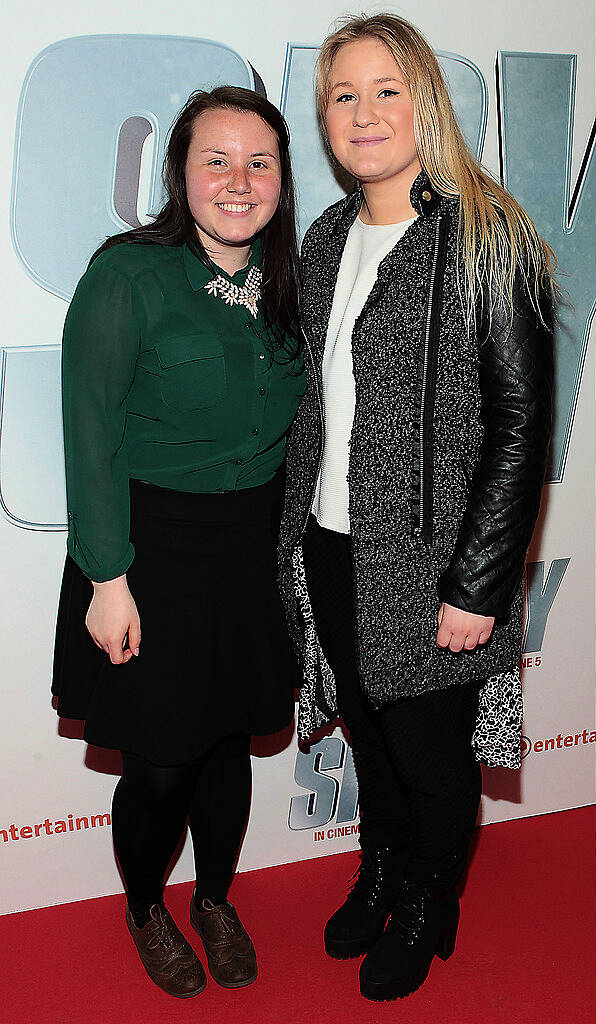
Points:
[(447, 458)]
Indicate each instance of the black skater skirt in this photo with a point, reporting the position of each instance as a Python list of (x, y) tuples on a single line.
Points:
[(215, 657)]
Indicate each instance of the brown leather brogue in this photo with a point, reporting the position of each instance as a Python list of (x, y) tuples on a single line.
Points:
[(170, 961), (231, 956)]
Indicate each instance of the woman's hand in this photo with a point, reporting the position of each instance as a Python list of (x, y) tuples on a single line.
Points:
[(112, 617), (459, 630)]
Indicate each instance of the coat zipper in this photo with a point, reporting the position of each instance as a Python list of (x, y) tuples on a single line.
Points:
[(426, 409)]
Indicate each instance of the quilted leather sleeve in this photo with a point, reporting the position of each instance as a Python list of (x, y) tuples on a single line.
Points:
[(516, 379)]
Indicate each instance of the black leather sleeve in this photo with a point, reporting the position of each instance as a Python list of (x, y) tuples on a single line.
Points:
[(516, 380)]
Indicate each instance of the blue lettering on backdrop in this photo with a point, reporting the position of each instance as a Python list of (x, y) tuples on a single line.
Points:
[(540, 598), (537, 93), (327, 794), (87, 106), (127, 190)]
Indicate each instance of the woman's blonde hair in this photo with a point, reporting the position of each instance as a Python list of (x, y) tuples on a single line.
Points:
[(497, 236)]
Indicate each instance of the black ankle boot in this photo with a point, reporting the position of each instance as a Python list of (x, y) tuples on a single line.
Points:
[(359, 922), (423, 924)]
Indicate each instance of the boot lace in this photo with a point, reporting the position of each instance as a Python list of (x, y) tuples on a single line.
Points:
[(408, 916), (367, 879)]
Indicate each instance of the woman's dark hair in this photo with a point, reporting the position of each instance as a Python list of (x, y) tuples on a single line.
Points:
[(174, 224)]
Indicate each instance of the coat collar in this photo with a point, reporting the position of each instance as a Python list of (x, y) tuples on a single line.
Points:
[(424, 198), (336, 223)]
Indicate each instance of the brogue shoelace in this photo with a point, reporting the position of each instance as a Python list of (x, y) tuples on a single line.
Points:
[(228, 922), (221, 948), (163, 935)]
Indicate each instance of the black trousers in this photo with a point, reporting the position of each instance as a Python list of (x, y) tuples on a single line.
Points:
[(419, 782)]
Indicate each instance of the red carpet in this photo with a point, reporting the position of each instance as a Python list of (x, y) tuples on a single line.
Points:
[(524, 953)]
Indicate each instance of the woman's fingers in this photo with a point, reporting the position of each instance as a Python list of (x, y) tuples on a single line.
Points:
[(113, 620), (456, 644), (443, 635), (134, 636), (460, 630), (457, 641), (115, 650)]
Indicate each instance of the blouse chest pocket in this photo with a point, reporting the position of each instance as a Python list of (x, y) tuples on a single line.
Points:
[(192, 371)]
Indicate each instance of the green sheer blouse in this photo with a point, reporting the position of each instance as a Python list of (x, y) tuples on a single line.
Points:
[(164, 382)]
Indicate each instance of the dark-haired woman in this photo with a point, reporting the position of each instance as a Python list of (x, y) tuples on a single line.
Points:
[(181, 376), (420, 450)]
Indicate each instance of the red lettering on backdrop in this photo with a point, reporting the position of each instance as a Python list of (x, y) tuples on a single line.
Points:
[(50, 828), (560, 741), (100, 819)]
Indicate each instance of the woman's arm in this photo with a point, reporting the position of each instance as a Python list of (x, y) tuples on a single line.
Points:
[(515, 355), (100, 350)]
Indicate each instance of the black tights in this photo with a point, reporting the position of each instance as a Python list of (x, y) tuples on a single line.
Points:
[(150, 807)]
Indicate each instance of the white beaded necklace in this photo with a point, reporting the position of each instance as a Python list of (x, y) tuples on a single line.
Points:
[(233, 295)]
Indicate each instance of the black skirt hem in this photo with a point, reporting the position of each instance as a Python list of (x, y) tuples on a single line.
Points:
[(215, 658)]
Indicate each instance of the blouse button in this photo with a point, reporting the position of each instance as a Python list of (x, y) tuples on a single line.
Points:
[(261, 391), (255, 431), (261, 355)]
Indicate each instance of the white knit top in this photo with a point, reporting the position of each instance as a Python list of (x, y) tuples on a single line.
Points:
[(366, 246)]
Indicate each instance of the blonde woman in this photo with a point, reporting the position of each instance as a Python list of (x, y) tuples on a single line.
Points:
[(415, 469)]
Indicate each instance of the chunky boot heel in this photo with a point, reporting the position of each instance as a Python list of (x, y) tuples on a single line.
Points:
[(446, 946), (423, 923), (358, 923)]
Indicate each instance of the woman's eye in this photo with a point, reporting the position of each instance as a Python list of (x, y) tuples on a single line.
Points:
[(216, 162), (388, 92), (345, 96), (258, 165)]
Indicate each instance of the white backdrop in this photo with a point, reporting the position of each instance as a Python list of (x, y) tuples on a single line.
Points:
[(54, 840)]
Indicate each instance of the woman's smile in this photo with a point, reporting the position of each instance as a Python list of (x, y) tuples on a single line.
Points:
[(235, 209), (369, 141)]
